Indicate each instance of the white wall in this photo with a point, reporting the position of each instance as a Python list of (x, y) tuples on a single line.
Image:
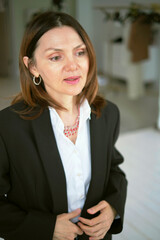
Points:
[(19, 10), (84, 14)]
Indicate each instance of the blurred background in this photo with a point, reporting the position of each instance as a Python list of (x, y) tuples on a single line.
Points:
[(126, 38)]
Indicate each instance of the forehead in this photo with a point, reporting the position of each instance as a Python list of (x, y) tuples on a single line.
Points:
[(60, 37)]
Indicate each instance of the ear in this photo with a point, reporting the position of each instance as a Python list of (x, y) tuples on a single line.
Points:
[(31, 67)]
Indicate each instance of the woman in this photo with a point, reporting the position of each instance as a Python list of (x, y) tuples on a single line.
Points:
[(59, 173)]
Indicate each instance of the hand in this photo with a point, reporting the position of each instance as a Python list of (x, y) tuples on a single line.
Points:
[(97, 227), (64, 228)]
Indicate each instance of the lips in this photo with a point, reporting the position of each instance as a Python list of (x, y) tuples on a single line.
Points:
[(72, 79)]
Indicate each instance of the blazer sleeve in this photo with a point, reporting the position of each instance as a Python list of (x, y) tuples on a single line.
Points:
[(15, 223), (116, 187)]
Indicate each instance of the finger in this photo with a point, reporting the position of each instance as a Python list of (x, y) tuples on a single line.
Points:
[(73, 214), (91, 222), (85, 221), (78, 230), (95, 232), (99, 235), (101, 205), (89, 229)]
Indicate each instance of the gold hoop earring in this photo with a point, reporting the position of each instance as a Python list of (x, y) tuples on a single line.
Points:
[(37, 82)]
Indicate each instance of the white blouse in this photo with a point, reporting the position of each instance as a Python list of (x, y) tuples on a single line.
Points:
[(76, 158)]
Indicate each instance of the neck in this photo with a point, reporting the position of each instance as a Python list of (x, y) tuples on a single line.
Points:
[(68, 117), (69, 103)]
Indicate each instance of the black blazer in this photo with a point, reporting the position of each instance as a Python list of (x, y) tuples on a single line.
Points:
[(32, 179)]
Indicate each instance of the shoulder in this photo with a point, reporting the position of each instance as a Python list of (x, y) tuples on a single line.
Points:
[(10, 121), (10, 117), (109, 114), (11, 110), (14, 114), (110, 109)]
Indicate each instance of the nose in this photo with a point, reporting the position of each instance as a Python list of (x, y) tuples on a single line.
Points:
[(70, 64)]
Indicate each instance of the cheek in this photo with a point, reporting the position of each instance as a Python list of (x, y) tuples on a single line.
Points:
[(50, 72), (86, 66)]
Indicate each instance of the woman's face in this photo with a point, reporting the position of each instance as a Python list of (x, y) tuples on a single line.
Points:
[(62, 61)]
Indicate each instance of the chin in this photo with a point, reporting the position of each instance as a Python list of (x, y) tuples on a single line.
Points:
[(75, 92)]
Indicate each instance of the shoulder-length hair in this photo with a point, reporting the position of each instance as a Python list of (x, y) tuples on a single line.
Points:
[(36, 96)]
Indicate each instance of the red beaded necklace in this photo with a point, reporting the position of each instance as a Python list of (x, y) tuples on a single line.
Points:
[(69, 131)]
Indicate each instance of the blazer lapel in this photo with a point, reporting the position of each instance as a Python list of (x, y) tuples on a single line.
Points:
[(98, 162), (51, 161)]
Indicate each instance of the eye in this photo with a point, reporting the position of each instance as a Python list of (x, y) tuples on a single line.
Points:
[(55, 58), (80, 53)]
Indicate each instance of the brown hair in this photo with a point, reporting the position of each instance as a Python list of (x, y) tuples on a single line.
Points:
[(36, 96)]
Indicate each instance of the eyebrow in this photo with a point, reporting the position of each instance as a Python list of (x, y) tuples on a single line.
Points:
[(60, 50)]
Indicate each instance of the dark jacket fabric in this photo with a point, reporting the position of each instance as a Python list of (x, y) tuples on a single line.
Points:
[(32, 179)]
